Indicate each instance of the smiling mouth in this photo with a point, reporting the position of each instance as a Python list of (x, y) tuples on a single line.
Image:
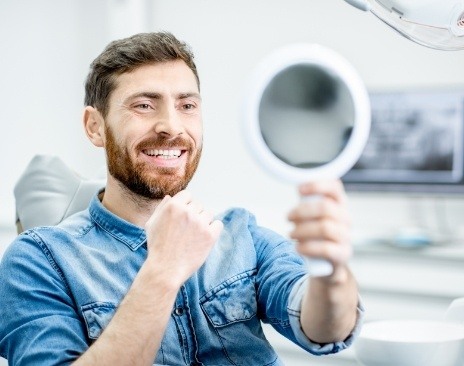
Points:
[(164, 154)]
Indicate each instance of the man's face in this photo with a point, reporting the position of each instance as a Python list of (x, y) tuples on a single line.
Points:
[(153, 130)]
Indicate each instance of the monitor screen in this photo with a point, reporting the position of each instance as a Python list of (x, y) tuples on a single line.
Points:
[(416, 144)]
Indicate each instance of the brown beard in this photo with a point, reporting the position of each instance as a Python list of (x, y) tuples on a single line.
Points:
[(135, 175)]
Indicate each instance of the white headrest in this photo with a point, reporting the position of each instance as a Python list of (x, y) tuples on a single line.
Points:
[(48, 191)]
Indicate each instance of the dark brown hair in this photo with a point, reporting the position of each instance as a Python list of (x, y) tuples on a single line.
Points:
[(127, 54)]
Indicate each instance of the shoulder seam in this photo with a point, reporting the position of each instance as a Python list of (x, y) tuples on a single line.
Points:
[(48, 254)]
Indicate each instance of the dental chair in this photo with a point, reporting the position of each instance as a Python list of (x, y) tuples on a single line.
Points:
[(48, 191)]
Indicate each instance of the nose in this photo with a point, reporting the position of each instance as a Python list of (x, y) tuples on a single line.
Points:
[(169, 122)]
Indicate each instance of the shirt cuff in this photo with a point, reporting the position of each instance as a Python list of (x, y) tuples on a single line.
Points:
[(294, 311)]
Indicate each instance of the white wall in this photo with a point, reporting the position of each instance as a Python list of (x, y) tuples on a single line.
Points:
[(44, 59)]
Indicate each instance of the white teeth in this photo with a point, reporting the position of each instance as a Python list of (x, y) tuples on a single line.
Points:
[(165, 154)]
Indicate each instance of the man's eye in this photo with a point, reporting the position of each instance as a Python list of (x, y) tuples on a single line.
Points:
[(188, 106), (143, 106)]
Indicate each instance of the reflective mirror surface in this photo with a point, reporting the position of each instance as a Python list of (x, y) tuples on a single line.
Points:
[(306, 115)]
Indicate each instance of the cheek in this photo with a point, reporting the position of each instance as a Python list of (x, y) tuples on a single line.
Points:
[(135, 136), (197, 135), (128, 136), (199, 140)]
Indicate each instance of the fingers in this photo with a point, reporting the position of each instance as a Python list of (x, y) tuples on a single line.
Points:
[(336, 253), (185, 201), (325, 207), (195, 207), (333, 189), (163, 201), (184, 197), (321, 229), (322, 225), (216, 227), (180, 235)]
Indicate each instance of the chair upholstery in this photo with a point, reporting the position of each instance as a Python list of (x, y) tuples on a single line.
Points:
[(49, 191)]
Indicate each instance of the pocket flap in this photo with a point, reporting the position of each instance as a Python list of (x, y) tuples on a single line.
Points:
[(97, 316)]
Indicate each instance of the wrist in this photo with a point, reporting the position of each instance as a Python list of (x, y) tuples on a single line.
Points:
[(155, 274), (165, 272)]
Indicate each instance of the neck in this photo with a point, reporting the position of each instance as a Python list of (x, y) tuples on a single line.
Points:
[(127, 205)]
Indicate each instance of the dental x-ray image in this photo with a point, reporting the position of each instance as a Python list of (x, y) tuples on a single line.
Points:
[(415, 137)]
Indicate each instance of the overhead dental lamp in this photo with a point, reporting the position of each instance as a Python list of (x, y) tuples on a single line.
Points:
[(437, 24)]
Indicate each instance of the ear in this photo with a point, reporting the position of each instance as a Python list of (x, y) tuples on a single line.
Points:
[(94, 126)]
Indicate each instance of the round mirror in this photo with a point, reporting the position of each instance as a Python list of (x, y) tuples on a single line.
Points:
[(307, 118), (307, 114)]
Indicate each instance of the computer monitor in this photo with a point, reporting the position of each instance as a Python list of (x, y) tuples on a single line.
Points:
[(416, 144)]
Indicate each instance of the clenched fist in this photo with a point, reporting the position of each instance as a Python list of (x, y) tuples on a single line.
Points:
[(180, 235)]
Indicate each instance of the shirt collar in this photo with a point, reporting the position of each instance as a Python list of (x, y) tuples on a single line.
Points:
[(129, 234)]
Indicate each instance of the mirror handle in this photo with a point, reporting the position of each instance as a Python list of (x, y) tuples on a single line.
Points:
[(317, 267)]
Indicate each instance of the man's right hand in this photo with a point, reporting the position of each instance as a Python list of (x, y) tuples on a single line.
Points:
[(180, 235)]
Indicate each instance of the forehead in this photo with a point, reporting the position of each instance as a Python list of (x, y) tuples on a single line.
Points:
[(171, 76)]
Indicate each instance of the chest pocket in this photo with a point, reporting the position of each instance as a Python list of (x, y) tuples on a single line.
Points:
[(231, 308), (232, 301), (97, 316)]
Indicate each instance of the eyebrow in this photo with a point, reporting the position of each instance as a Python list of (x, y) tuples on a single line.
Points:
[(155, 95), (189, 95)]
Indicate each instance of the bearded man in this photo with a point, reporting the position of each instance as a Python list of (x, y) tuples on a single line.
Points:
[(146, 275)]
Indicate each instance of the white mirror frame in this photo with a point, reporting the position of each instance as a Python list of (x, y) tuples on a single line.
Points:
[(333, 64)]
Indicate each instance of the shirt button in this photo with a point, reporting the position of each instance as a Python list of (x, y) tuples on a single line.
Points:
[(179, 311)]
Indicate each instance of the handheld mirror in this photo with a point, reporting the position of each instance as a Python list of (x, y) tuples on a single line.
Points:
[(307, 118)]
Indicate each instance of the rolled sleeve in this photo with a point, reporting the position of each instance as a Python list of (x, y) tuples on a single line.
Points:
[(294, 311)]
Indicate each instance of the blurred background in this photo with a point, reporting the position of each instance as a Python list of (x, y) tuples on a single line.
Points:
[(409, 243)]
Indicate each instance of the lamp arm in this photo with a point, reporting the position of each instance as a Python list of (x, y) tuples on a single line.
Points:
[(360, 4)]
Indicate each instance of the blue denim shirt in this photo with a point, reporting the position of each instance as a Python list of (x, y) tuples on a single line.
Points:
[(60, 287)]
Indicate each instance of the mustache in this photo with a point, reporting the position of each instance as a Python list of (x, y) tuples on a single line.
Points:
[(163, 141)]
